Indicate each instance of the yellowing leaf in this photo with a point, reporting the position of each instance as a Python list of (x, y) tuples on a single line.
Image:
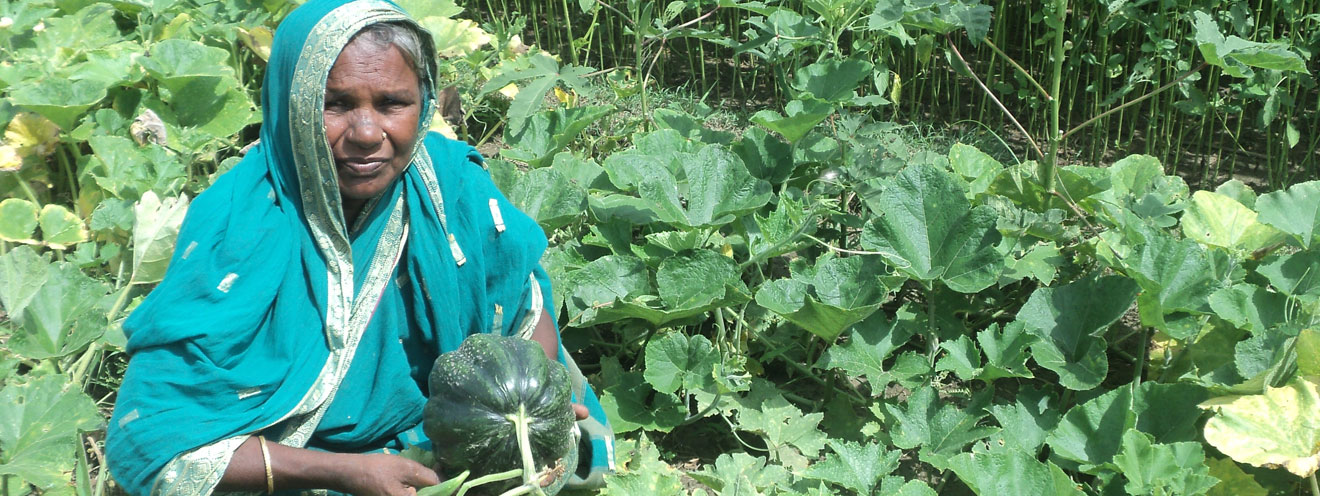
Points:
[(455, 37), (1217, 220), (258, 40), (440, 125), (154, 235), (509, 91), (60, 228), (1280, 428), (31, 134), (9, 159), (18, 220)]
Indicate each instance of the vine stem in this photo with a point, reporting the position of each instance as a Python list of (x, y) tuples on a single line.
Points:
[(1315, 487), (27, 188), (995, 99), (1019, 68)]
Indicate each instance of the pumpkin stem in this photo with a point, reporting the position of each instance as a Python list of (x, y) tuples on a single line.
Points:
[(522, 427)]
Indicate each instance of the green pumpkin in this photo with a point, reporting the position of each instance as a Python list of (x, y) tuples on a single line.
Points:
[(482, 391)]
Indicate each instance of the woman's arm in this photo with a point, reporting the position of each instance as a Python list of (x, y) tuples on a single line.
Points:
[(293, 468), (546, 335)]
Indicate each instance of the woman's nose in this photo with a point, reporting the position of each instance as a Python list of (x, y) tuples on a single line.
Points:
[(364, 131)]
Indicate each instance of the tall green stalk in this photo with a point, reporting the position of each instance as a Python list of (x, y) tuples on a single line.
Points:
[(1049, 166)]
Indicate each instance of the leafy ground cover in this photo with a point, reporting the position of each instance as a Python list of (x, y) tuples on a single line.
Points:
[(802, 299)]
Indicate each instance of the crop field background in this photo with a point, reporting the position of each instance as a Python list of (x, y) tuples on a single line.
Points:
[(800, 247)]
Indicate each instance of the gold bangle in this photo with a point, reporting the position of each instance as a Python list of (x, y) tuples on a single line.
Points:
[(270, 475)]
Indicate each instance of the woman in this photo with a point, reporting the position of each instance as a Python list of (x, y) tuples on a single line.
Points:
[(314, 285)]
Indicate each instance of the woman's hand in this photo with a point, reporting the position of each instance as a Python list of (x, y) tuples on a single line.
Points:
[(379, 474)]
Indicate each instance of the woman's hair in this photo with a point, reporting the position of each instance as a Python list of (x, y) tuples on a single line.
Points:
[(384, 34)]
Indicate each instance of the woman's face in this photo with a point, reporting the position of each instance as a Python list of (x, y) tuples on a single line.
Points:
[(372, 105)]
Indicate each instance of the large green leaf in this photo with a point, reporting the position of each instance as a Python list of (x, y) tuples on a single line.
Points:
[(632, 404), (1280, 428), (18, 220), (696, 278), (547, 195), (60, 228), (176, 63), (741, 474), (1216, 220), (1138, 184), (791, 436), (765, 156), (126, 171), (1027, 421), (938, 427), (1250, 307), (62, 316), (1160, 469), (600, 283), (155, 231), (640, 471), (675, 361), (22, 274), (799, 118), (546, 133), (832, 80), (857, 467), (925, 228), (1233, 481), (708, 187), (61, 100), (1293, 274), (1008, 471), (870, 343), (1175, 275), (40, 422), (544, 74), (1236, 55), (1295, 211), (1091, 433), (975, 166), (842, 292), (1068, 321)]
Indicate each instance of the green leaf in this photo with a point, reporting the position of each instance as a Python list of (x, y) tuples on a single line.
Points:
[(60, 228), (799, 119), (602, 282), (1293, 274), (857, 467), (870, 343), (741, 474), (1005, 352), (766, 157), (696, 278), (545, 134), (975, 166), (61, 100), (1091, 433), (545, 74), (62, 316), (40, 422), (176, 63), (632, 404), (1006, 471), (1138, 184), (1235, 55), (1067, 321), (961, 357), (548, 196), (791, 436), (1233, 481), (18, 220), (1216, 220), (936, 426), (154, 234), (925, 228), (1280, 428), (640, 471), (675, 361), (689, 127), (112, 214), (22, 274), (843, 292), (1308, 352), (127, 171), (1295, 211), (1175, 275), (1027, 421), (832, 80), (1159, 469), (1250, 307)]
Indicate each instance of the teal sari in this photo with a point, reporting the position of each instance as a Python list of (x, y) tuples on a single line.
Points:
[(277, 318)]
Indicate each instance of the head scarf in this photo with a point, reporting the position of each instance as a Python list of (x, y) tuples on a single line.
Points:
[(277, 317)]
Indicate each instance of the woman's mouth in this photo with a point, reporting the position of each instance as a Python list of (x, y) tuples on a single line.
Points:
[(362, 167)]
